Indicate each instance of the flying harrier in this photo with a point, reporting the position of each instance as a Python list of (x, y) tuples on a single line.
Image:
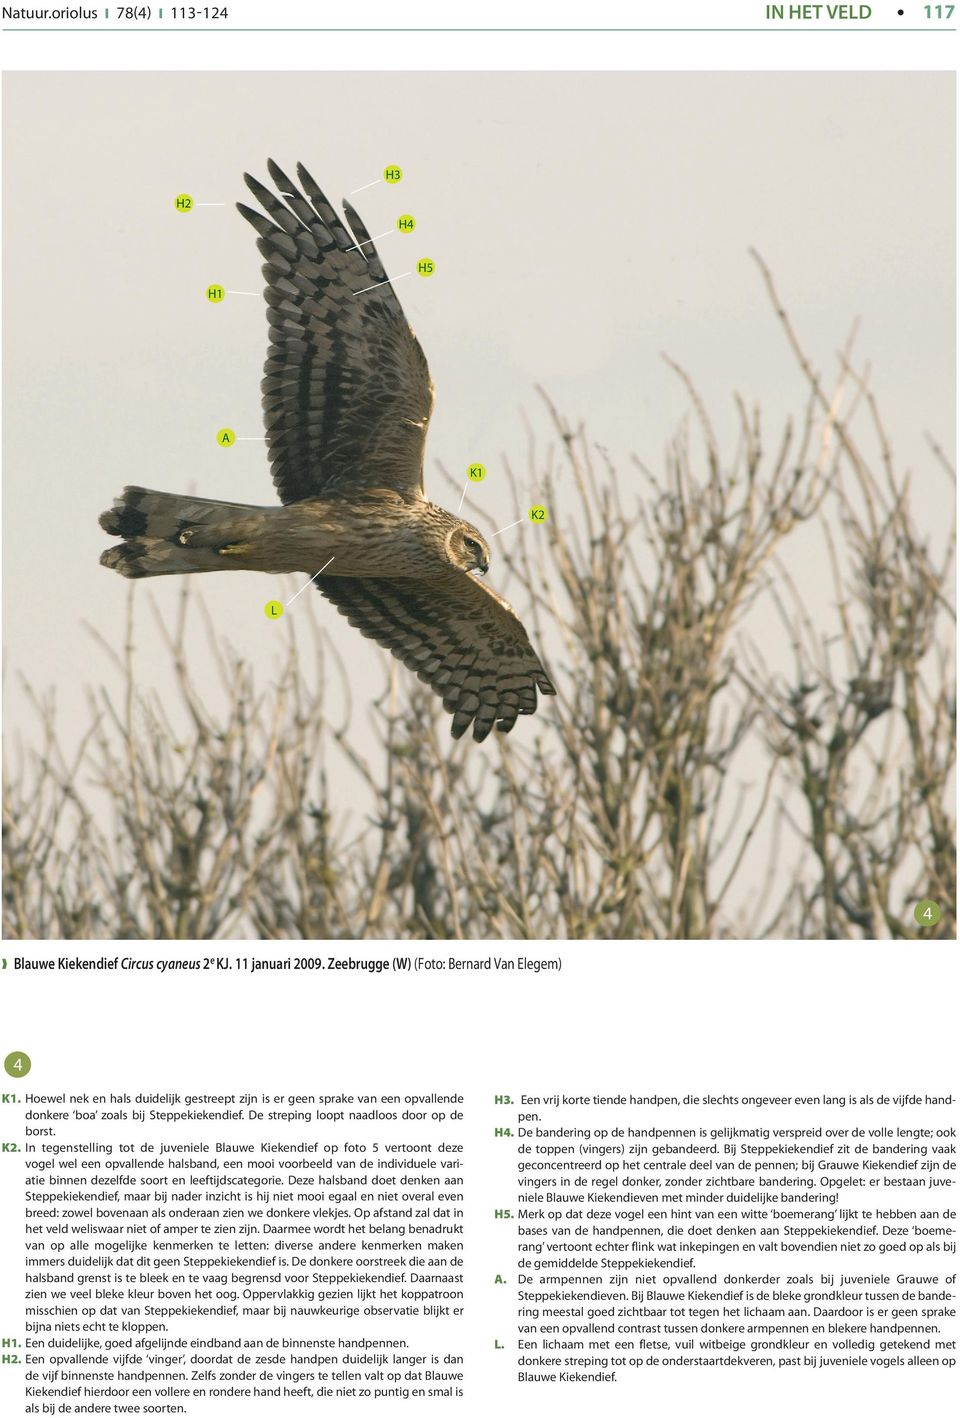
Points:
[(346, 402)]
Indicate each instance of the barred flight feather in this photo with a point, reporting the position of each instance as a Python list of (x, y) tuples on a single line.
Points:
[(483, 679)]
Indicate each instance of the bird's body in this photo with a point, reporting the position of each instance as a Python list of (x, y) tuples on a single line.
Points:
[(375, 533), (347, 399)]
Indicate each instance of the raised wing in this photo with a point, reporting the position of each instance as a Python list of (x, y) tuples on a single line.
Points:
[(461, 638), (346, 389)]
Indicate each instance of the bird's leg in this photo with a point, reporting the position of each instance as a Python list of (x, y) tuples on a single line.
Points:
[(217, 538)]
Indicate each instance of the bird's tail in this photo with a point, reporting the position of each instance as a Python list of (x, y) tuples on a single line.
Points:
[(165, 534)]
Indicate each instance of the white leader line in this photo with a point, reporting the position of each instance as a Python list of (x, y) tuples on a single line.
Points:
[(383, 283), (311, 581)]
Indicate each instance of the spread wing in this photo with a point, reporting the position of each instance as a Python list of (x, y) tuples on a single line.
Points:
[(346, 389), (461, 638)]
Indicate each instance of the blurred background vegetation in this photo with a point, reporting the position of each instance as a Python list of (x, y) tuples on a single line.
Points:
[(691, 780)]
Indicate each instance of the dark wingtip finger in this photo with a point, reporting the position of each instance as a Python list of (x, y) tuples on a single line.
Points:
[(364, 241), (257, 220), (459, 725), (285, 186), (326, 212), (272, 205)]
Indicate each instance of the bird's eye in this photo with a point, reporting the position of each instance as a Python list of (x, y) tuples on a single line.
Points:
[(470, 544)]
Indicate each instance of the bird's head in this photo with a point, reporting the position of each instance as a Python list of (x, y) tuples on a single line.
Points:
[(467, 549)]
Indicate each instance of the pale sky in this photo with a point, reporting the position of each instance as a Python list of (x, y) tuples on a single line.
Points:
[(580, 223)]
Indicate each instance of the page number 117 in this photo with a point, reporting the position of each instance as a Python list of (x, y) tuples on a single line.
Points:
[(938, 12)]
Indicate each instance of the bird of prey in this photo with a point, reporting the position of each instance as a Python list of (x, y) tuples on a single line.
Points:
[(346, 402)]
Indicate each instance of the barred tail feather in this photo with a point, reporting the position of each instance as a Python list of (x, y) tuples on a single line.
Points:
[(166, 534)]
